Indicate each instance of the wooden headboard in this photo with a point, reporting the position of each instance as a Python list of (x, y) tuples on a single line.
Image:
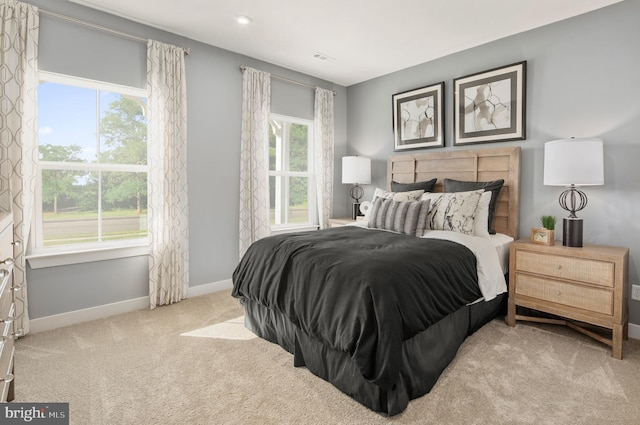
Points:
[(467, 165)]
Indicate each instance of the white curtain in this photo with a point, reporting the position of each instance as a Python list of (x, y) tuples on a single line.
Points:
[(254, 157), (323, 140), (18, 134), (167, 178)]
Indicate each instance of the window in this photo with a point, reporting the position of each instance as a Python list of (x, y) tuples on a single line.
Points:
[(92, 171), (291, 185)]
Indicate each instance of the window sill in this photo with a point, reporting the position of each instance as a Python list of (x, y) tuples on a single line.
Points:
[(292, 229), (53, 259)]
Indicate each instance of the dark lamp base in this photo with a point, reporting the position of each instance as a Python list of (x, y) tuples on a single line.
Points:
[(355, 212), (572, 232)]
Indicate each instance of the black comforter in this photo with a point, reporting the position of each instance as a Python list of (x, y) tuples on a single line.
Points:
[(359, 291)]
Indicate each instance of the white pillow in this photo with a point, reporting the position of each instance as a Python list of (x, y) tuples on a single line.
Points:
[(482, 213), (412, 195), (455, 211), (365, 208), (480, 227)]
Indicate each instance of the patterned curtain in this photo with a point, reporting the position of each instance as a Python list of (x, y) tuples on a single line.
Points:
[(167, 158), (18, 135), (323, 140), (254, 157)]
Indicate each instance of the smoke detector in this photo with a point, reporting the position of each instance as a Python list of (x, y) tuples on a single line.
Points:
[(323, 57)]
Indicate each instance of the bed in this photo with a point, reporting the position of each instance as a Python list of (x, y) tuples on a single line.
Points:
[(335, 299)]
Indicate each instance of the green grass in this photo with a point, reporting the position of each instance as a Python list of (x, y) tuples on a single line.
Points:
[(88, 238), (75, 215), (80, 237)]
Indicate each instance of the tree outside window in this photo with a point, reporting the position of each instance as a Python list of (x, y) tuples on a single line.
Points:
[(93, 162)]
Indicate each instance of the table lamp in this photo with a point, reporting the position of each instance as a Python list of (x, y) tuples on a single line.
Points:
[(573, 163), (356, 170)]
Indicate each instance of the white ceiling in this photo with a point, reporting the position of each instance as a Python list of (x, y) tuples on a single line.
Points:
[(365, 39)]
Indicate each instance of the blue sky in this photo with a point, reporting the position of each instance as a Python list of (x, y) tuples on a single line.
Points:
[(67, 116)]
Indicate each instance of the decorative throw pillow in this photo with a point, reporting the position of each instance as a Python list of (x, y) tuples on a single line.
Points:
[(412, 195), (482, 212), (427, 186), (495, 186), (409, 217), (480, 226), (453, 211)]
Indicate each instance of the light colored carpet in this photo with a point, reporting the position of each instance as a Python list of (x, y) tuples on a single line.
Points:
[(189, 363)]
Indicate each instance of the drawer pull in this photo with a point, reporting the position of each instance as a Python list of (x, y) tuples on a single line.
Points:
[(7, 261), (559, 267), (16, 244), (558, 293), (9, 319), (4, 273), (7, 378), (17, 288)]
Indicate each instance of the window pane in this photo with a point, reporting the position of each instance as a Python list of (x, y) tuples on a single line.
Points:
[(67, 119), (298, 146), (123, 129), (298, 195), (124, 205), (69, 207), (275, 195), (272, 199), (107, 131)]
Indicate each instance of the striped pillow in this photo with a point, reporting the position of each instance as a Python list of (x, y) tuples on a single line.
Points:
[(409, 217)]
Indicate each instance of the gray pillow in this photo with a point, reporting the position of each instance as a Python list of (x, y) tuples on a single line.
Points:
[(427, 186), (409, 217), (495, 186)]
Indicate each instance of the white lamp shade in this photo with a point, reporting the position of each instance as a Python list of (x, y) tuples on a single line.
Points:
[(574, 161), (356, 169)]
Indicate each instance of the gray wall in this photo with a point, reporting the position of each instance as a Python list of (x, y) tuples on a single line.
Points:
[(579, 84), (214, 84), (581, 81)]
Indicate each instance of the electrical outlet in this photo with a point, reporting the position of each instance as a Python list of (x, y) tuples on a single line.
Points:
[(635, 292)]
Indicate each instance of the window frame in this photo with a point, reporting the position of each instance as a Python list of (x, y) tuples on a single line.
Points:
[(40, 256), (282, 200)]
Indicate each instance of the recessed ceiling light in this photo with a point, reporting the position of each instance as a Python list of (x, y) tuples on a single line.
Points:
[(242, 19)]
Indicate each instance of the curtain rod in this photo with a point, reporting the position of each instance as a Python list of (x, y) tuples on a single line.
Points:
[(100, 27), (243, 67)]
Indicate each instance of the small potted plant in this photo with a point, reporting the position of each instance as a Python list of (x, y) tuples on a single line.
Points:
[(546, 234)]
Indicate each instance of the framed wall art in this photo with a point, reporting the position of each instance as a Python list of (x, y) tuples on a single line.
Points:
[(490, 106), (418, 118)]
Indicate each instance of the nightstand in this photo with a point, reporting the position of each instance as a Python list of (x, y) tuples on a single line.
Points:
[(338, 222), (577, 286)]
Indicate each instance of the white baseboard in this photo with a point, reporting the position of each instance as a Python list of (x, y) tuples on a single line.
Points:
[(55, 321), (78, 316), (208, 288), (634, 331)]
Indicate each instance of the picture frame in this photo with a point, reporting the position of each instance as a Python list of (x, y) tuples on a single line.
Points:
[(418, 118), (490, 106)]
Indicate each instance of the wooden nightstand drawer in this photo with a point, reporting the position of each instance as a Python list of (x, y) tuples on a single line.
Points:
[(6, 246), (584, 288), (591, 299), (578, 269), (6, 300), (6, 358)]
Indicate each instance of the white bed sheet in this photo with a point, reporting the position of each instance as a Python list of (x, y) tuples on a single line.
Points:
[(502, 243), (490, 276), (492, 255)]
